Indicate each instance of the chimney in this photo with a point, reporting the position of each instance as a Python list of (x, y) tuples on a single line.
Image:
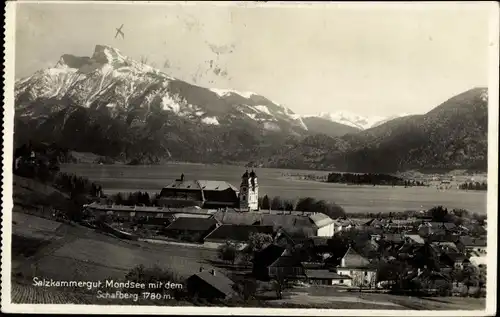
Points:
[(201, 269), (182, 177), (213, 272)]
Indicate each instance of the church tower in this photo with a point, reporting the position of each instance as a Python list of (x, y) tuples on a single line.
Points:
[(249, 192)]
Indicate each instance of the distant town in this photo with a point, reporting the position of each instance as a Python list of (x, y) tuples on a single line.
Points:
[(264, 245)]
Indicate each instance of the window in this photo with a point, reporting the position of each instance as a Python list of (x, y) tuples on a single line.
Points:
[(351, 272), (244, 197), (341, 281), (366, 273)]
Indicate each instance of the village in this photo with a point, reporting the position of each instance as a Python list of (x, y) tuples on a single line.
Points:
[(432, 252)]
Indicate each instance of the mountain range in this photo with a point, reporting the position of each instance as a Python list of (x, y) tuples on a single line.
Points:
[(113, 106)]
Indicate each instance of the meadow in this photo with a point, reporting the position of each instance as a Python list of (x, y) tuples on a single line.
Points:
[(274, 182)]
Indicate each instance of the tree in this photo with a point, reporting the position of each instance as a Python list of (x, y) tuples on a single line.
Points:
[(227, 252), (265, 203), (330, 209), (289, 204), (257, 241), (246, 288), (438, 214), (305, 204), (277, 203)]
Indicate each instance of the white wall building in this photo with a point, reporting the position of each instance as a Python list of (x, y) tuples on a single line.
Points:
[(249, 192)]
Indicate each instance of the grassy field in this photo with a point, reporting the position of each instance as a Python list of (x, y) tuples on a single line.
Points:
[(115, 178), (76, 252)]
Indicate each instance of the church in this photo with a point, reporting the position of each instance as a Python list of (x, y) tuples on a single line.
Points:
[(209, 194)]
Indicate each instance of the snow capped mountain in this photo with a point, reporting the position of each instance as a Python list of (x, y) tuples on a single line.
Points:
[(355, 120), (112, 81)]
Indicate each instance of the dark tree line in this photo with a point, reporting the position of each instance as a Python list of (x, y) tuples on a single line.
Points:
[(77, 185), (473, 186), (134, 199), (371, 179), (307, 204)]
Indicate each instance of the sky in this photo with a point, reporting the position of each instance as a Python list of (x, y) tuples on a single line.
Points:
[(373, 60)]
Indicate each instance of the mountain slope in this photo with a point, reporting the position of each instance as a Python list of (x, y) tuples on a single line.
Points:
[(112, 105), (317, 125), (451, 136)]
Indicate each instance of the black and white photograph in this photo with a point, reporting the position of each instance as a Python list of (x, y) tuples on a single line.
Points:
[(264, 158)]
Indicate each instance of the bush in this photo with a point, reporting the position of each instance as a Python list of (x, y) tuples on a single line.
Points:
[(227, 252)]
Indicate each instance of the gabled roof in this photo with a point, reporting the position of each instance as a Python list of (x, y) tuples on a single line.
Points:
[(415, 238), (268, 255), (321, 220), (352, 259), (472, 242), (374, 222), (200, 184), (219, 281), (192, 224), (216, 185), (237, 232), (455, 256)]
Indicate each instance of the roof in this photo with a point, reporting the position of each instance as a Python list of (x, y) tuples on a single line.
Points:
[(374, 222), (192, 224), (237, 232), (472, 242), (268, 255), (352, 259), (219, 281), (455, 256), (287, 261), (201, 184), (393, 237), (321, 220), (325, 274), (415, 238), (444, 244), (290, 222)]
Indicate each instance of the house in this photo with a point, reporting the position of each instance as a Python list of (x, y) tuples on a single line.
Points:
[(444, 246), (191, 229), (210, 285), (327, 278), (470, 244), (360, 270), (276, 262), (453, 259), (393, 238), (375, 223), (294, 223), (344, 224), (234, 233), (203, 193), (432, 282), (478, 260), (414, 239)]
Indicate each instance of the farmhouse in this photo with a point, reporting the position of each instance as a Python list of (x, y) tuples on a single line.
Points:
[(276, 262), (357, 268), (210, 285)]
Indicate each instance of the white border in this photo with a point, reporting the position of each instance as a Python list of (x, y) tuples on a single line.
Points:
[(492, 202)]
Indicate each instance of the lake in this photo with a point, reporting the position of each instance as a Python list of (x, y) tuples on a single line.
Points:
[(272, 182)]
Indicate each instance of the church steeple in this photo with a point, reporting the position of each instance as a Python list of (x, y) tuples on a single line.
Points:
[(249, 191)]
